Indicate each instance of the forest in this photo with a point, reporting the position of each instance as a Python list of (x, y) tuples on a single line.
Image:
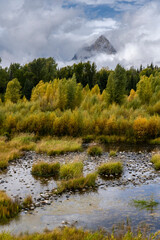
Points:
[(80, 100)]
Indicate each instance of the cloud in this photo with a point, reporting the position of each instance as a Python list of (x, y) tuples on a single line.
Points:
[(136, 38), (118, 5), (28, 28), (31, 29)]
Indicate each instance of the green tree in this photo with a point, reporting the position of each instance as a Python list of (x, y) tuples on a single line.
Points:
[(13, 91), (116, 85), (110, 90), (132, 79), (102, 78), (28, 86), (42, 69), (71, 92), (144, 90)]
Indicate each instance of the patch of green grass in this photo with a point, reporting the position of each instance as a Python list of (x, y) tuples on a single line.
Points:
[(88, 139), (156, 161), (27, 202), (94, 151), (58, 146), (8, 207), (77, 183), (145, 204), (44, 169), (112, 153), (71, 170), (110, 168)]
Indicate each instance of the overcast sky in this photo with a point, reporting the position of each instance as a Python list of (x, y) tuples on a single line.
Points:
[(58, 28)]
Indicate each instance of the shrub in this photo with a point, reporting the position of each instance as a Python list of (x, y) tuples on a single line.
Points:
[(44, 169), (71, 170), (94, 151), (156, 161), (27, 202), (140, 127), (77, 183), (153, 127), (110, 168), (8, 207)]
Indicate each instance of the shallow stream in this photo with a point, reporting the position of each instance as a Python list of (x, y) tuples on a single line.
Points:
[(111, 204)]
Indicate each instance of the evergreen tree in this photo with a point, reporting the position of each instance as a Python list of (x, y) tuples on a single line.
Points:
[(116, 85)]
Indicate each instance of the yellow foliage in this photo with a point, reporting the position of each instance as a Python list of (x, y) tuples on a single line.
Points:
[(153, 126), (140, 127), (111, 126), (95, 90), (132, 95), (10, 123)]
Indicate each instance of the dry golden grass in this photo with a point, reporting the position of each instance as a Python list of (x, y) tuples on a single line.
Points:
[(53, 146), (10, 150)]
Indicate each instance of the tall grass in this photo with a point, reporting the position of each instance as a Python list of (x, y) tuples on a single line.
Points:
[(27, 202), (71, 170), (77, 183), (8, 207), (112, 153), (94, 150), (156, 161), (58, 146), (13, 149), (110, 168), (70, 233), (44, 169)]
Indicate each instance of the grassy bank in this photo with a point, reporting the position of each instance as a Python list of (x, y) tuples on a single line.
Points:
[(53, 146), (14, 148), (79, 234)]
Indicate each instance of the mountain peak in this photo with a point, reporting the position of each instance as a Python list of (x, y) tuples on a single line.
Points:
[(101, 45), (102, 38)]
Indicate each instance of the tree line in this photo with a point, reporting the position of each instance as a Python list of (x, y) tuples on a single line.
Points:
[(46, 70)]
